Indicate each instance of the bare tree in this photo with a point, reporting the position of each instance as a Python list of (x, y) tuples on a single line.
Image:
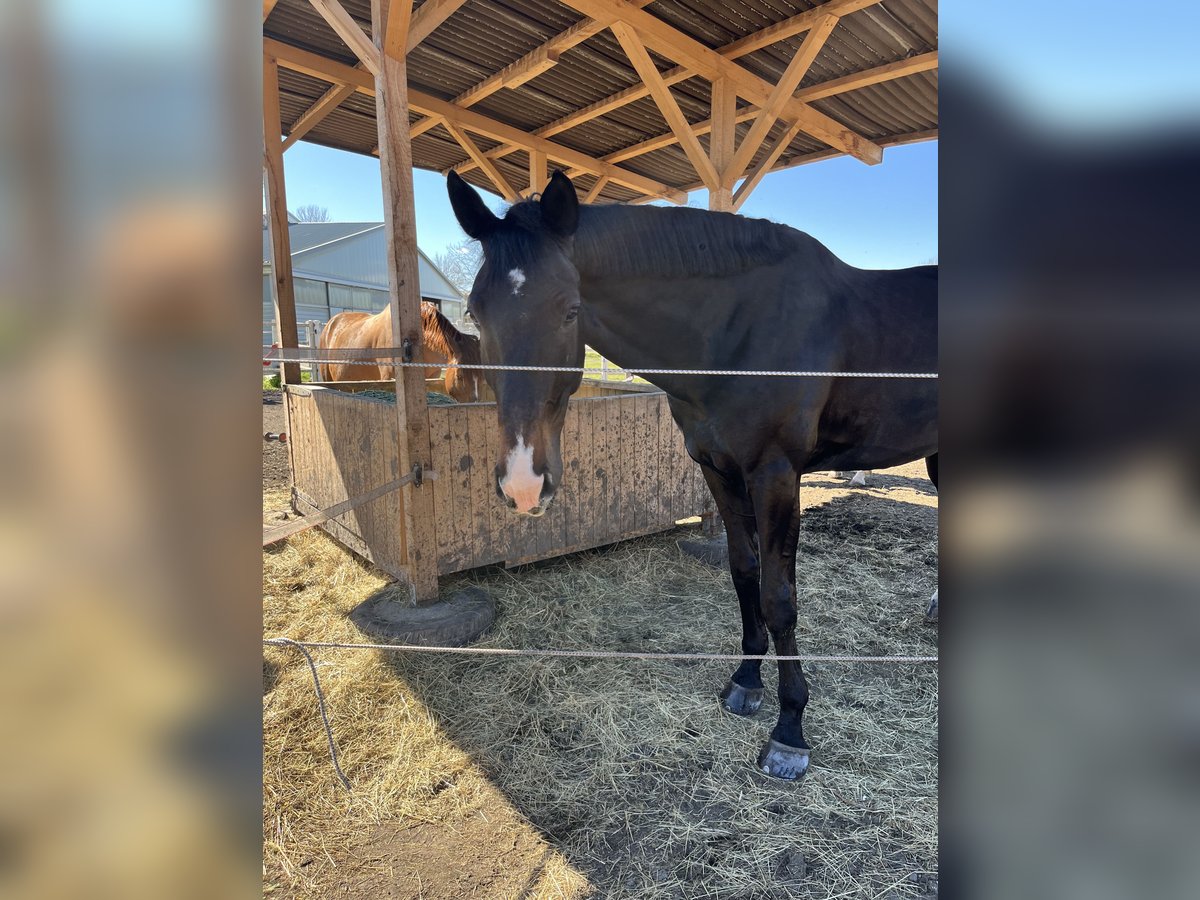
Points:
[(460, 263), (312, 213)]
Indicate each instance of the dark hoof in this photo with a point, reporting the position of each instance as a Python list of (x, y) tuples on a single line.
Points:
[(453, 622), (931, 614), (741, 701), (714, 552), (781, 761)]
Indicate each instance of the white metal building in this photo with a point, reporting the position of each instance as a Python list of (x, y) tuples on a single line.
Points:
[(343, 265)]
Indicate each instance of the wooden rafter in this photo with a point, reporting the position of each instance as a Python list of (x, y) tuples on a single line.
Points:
[(852, 82), (782, 93), (426, 19), (511, 76), (687, 51), (788, 28), (322, 106), (780, 31), (350, 32), (489, 167), (600, 185), (889, 71), (268, 7), (648, 72), (399, 21), (532, 64), (326, 69), (764, 166), (898, 140)]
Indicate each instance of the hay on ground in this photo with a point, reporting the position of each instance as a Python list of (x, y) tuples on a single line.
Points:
[(612, 778)]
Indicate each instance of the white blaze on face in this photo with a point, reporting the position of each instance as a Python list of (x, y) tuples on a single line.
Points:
[(517, 277), (519, 482)]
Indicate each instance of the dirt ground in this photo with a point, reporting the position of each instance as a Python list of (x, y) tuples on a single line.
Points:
[(276, 474), (571, 778)]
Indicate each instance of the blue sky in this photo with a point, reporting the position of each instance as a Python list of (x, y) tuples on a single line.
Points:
[(881, 216)]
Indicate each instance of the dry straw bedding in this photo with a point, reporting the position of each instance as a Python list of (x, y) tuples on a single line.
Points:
[(611, 778)]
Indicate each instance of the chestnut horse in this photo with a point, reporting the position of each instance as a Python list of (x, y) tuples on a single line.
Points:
[(441, 343)]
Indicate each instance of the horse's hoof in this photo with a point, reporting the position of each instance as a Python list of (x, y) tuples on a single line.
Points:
[(741, 701), (931, 614), (784, 762)]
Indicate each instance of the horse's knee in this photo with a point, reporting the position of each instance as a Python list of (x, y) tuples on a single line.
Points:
[(779, 609)]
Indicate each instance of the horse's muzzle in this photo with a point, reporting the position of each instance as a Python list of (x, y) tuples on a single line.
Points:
[(525, 507)]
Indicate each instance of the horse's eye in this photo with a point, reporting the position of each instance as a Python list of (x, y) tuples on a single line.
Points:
[(572, 314)]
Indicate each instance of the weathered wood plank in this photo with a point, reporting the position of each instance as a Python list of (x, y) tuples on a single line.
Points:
[(461, 463), (440, 458), (586, 478), (478, 441)]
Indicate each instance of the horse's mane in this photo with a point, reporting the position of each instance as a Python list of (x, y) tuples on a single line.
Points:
[(664, 242), (441, 336)]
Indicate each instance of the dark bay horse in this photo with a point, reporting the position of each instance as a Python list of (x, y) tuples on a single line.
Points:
[(684, 288), (441, 343)]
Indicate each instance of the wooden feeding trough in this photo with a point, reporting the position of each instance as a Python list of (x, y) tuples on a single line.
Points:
[(625, 473)]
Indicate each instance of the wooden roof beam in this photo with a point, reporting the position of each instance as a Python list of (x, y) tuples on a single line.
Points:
[(311, 117), (898, 140), (764, 166), (348, 30), (317, 66), (426, 19), (489, 168), (511, 76), (852, 82), (601, 184), (788, 28), (528, 67), (398, 21), (648, 72), (781, 94), (687, 51)]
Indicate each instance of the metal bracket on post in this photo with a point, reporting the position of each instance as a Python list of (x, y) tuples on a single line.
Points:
[(418, 475), (406, 350)]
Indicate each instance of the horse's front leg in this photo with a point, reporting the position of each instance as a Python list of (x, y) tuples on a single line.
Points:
[(774, 490), (743, 695)]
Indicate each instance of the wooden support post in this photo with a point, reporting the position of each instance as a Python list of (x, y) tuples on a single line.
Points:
[(395, 166), (720, 143), (537, 171), (283, 293)]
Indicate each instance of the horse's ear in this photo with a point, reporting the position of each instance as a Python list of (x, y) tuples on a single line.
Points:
[(474, 217), (560, 206)]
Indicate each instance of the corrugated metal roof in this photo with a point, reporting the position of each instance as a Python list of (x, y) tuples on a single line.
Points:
[(483, 36)]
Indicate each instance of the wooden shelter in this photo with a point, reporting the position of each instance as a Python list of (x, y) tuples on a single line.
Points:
[(639, 100)]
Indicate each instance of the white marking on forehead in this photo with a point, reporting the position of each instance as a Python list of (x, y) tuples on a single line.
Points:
[(517, 277)]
